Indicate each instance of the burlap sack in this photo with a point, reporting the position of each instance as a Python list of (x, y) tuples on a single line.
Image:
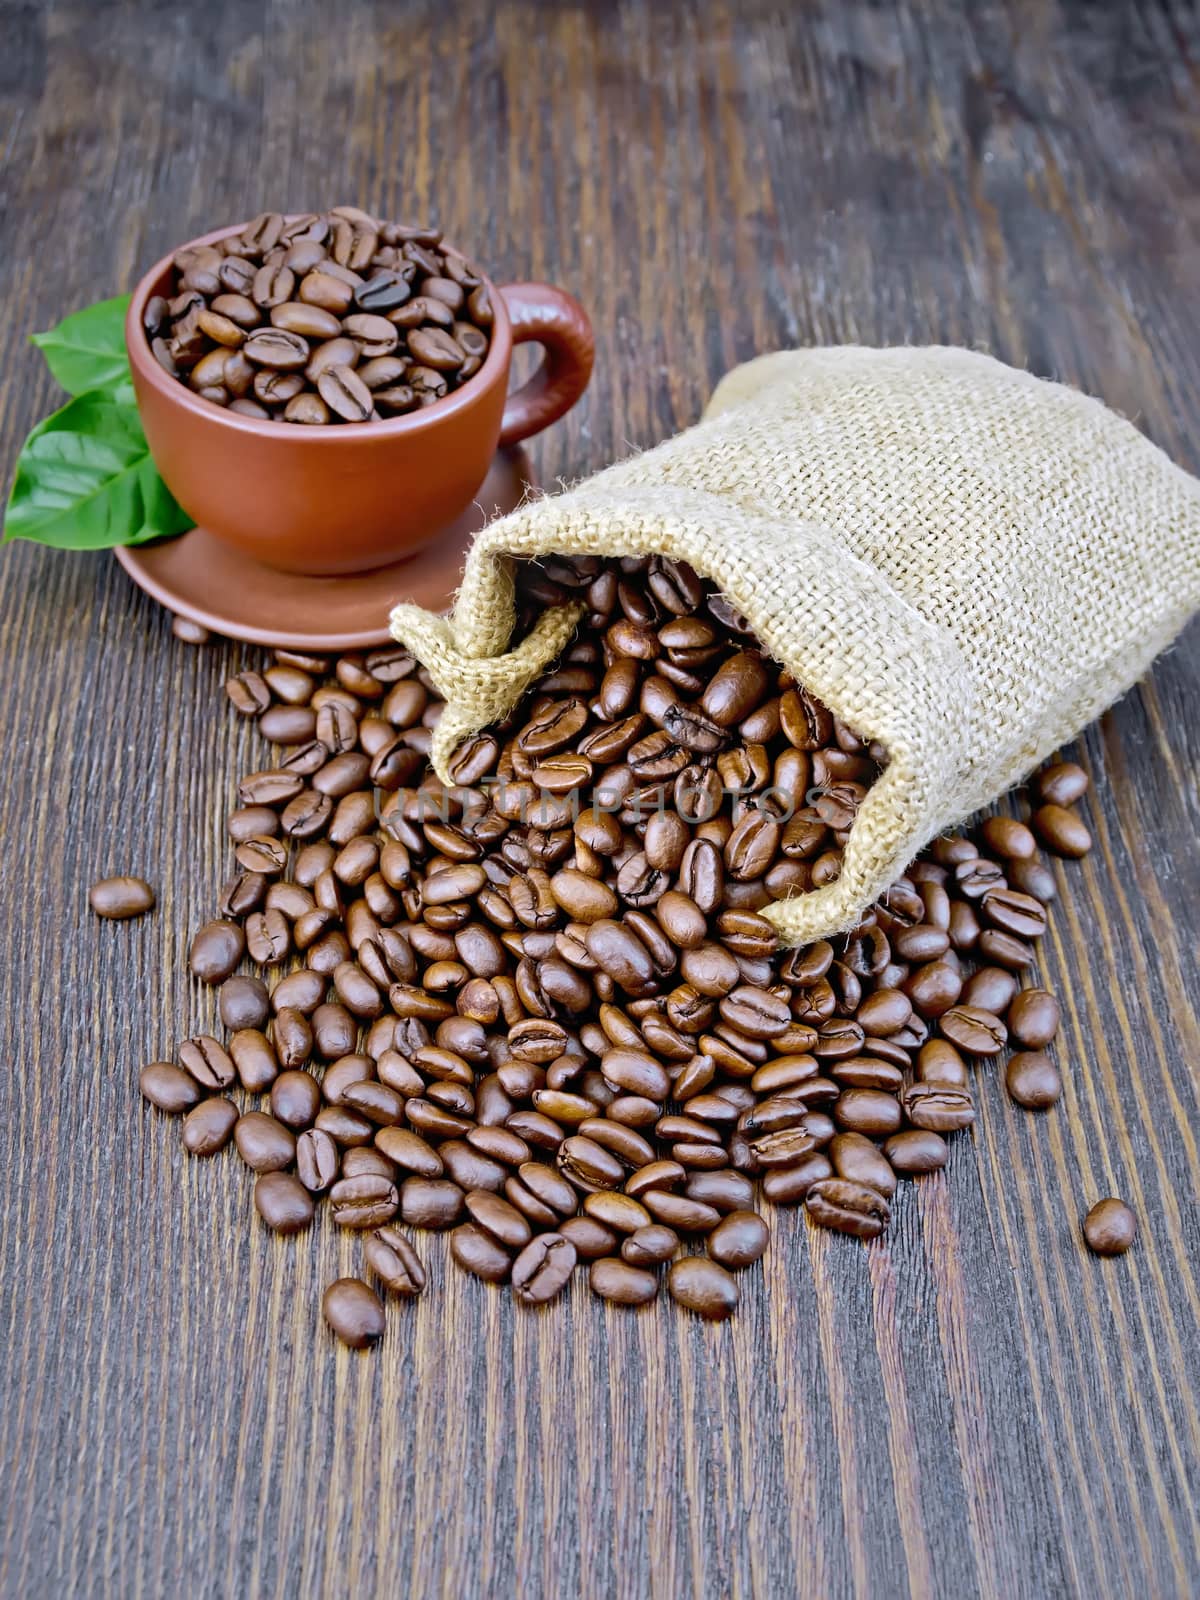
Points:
[(964, 562)]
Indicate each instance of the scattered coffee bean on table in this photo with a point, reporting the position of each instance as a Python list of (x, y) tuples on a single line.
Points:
[(1110, 1227), (354, 1312), (118, 899), (541, 1009), (322, 319)]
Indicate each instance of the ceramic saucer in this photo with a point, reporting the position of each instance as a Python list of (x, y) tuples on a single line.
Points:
[(198, 576)]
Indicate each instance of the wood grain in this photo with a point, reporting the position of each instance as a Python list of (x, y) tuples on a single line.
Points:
[(972, 1406)]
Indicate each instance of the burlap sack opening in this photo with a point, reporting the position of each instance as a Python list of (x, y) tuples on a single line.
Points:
[(962, 561)]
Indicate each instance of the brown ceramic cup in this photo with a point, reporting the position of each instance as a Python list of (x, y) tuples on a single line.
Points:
[(349, 498)]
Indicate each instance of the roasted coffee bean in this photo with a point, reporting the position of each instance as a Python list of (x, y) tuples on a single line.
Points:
[(216, 951), (430, 1202), (478, 1253), (120, 898), (724, 1191), (1033, 877), (368, 1201), (543, 1269), (168, 1087), (916, 1150), (497, 1217), (1032, 1080), (848, 1207), (283, 1202), (785, 1186), (353, 1312), (264, 1144), (679, 1212), (248, 693), (1061, 831), (316, 1160), (867, 1111), (857, 1158), (1061, 784), (208, 1126), (205, 1060), (295, 1098), (650, 1245), (1033, 1018), (991, 988), (277, 349), (1008, 839), (394, 1261), (243, 1003), (978, 1032), (738, 1240), (939, 1106), (620, 1282), (1110, 1227), (704, 1287)]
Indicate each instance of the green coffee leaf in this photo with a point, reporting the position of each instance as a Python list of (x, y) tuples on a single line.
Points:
[(85, 481), (87, 349)]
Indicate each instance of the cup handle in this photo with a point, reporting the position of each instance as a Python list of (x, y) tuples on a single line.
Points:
[(547, 316)]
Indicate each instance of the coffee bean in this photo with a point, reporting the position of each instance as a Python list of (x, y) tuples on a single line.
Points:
[(1061, 831), (216, 951), (478, 1253), (204, 1060), (248, 693), (916, 1150), (243, 1003), (1033, 1018), (738, 1240), (703, 1287), (353, 1312), (283, 1202), (264, 1144), (1032, 1080), (858, 1159), (168, 1087), (295, 1098), (543, 1269), (430, 1202), (938, 1106), (394, 1261), (498, 1218), (364, 1202), (277, 349), (208, 1126), (1110, 1227), (120, 898), (978, 1032), (316, 1160), (1061, 784), (848, 1207), (1008, 838), (621, 1283)]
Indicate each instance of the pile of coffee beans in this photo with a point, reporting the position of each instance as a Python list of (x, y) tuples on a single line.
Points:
[(322, 319), (542, 1009)]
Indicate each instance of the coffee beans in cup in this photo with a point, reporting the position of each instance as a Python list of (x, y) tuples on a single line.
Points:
[(542, 1010), (326, 318)]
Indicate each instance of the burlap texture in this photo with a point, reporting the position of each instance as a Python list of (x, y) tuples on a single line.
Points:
[(962, 561)]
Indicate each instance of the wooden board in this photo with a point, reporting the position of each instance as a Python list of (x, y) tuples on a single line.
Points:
[(973, 1406)]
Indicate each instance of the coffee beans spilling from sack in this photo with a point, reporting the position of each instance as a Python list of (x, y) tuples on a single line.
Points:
[(322, 319), (542, 1010)]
